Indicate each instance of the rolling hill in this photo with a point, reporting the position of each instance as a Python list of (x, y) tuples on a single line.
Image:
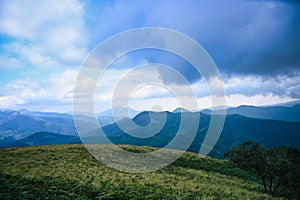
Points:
[(70, 172)]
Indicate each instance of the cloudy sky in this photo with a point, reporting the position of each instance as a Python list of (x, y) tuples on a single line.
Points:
[(255, 45)]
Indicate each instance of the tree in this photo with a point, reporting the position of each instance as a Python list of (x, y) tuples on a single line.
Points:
[(293, 179), (270, 165), (278, 166)]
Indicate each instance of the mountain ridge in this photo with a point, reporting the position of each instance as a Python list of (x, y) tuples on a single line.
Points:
[(16, 125), (237, 129)]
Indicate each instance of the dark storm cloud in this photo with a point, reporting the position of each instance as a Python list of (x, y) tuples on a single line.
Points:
[(270, 44), (243, 37)]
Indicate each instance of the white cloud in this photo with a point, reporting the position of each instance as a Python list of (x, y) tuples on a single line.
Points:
[(46, 33), (122, 84), (281, 85), (53, 34), (150, 91), (46, 94), (56, 92), (206, 102), (61, 86), (27, 20), (256, 100), (128, 80), (148, 104), (241, 90)]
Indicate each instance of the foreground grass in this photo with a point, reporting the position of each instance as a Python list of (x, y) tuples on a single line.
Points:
[(70, 172)]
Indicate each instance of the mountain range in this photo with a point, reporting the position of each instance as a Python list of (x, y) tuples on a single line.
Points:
[(23, 123), (237, 129), (271, 126), (270, 112)]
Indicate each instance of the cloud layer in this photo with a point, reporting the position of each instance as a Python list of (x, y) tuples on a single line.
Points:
[(243, 37), (255, 45)]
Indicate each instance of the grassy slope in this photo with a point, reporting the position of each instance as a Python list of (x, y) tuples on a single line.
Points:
[(70, 172)]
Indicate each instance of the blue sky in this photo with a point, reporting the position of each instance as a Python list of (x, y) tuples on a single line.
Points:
[(255, 45)]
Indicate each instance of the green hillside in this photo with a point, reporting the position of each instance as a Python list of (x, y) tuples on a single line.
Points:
[(70, 172)]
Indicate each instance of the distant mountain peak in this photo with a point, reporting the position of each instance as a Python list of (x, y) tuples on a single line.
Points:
[(121, 112), (24, 112), (179, 110)]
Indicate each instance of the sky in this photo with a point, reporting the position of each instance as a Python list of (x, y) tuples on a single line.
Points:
[(43, 44)]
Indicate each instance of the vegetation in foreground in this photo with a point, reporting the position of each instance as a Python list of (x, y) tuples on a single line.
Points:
[(70, 172), (277, 167)]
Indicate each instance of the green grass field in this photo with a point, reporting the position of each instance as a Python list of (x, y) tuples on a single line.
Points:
[(70, 172)]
